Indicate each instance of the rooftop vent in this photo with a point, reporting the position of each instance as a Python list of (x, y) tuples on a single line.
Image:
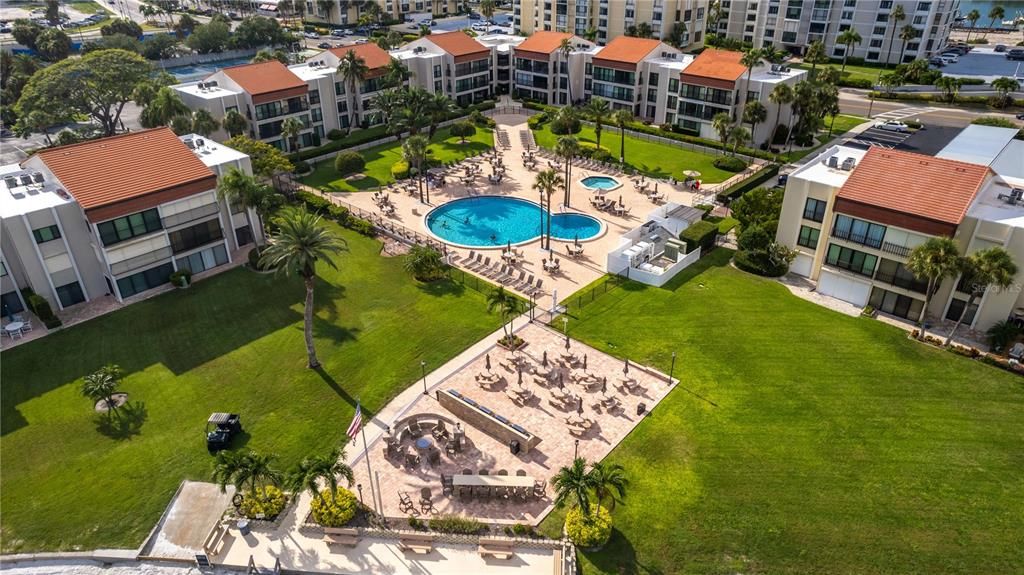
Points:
[(37, 177)]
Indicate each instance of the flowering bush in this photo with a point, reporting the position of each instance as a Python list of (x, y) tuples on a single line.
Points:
[(591, 530), (334, 509), (263, 503)]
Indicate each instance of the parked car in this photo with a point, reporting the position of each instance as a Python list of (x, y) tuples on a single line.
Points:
[(323, 45), (479, 27), (1020, 116), (413, 26), (892, 126), (234, 15), (311, 35), (362, 41), (338, 32), (950, 58), (427, 22), (6, 29), (936, 61), (1015, 54), (1000, 48), (408, 19)]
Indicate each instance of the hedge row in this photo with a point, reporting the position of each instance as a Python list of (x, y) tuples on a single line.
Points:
[(699, 234), (339, 214), (960, 99), (738, 189)]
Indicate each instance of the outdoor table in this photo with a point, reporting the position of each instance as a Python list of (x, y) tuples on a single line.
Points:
[(14, 327), (492, 480), (578, 420), (558, 393), (423, 443)]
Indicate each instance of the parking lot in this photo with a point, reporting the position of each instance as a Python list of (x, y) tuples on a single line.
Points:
[(877, 137), (985, 63)]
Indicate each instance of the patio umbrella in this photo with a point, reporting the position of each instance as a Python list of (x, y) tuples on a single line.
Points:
[(487, 362), (520, 376), (544, 360), (577, 240), (567, 342), (625, 369), (579, 409), (692, 173), (561, 384), (620, 200), (604, 385), (655, 187), (584, 362)]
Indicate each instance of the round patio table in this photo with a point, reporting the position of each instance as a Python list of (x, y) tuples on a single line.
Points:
[(14, 327), (423, 443)]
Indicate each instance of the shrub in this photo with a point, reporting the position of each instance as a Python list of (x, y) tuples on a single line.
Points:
[(1001, 334), (754, 263), (781, 135), (334, 509), (425, 263), (592, 530), (254, 259), (978, 41), (462, 130), (42, 309), (456, 524), (730, 164), (699, 234), (562, 126), (913, 124), (181, 278), (349, 162), (336, 134), (862, 83), (477, 117), (737, 190), (400, 170), (263, 503), (300, 167), (970, 81), (360, 226), (416, 523)]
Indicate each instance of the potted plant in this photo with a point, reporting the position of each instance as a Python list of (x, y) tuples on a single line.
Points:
[(181, 278)]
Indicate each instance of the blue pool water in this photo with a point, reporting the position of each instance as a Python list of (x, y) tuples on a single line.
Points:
[(601, 182), (494, 221)]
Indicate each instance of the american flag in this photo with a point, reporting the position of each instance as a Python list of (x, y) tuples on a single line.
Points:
[(357, 422)]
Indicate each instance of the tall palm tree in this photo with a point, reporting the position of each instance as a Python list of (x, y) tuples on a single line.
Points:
[(622, 118), (353, 71), (950, 86), (751, 58), (754, 113), (290, 129), (991, 268), (414, 151), (503, 302), (738, 135), (781, 94), (300, 242), (567, 147), (936, 259), (238, 187), (598, 110), (815, 54), (246, 470), (439, 108), (896, 16), (907, 33), (395, 73), (996, 13), (312, 472), (546, 183), (721, 123), (102, 384), (608, 479), (973, 16), (564, 49), (573, 484), (1004, 86), (487, 8), (387, 106), (235, 123), (849, 38)]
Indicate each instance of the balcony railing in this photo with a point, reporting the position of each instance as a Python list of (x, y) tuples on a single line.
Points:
[(902, 251), (856, 238), (904, 282)]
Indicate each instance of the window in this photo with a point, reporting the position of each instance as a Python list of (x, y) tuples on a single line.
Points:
[(652, 79), (895, 304), (858, 231), (789, 37), (882, 18), (808, 237), (194, 236), (46, 234), (314, 96), (872, 56), (204, 260), (876, 43), (814, 210), (851, 260), (956, 307), (144, 280), (128, 227), (437, 70), (673, 85), (878, 31), (70, 294)]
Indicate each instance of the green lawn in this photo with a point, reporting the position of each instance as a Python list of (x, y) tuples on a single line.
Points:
[(655, 160), (804, 441), (87, 7), (229, 343), (852, 71), (379, 159), (725, 223), (843, 123)]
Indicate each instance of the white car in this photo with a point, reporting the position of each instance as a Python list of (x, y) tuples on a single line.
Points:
[(950, 58), (892, 126), (312, 35), (480, 27)]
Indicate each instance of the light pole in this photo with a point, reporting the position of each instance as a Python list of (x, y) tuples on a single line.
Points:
[(672, 369), (359, 487), (576, 451), (423, 368)]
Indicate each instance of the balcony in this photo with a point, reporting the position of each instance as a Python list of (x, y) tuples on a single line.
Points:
[(912, 284), (901, 251), (857, 238)]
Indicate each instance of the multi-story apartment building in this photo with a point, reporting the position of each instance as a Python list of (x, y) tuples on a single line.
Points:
[(346, 13), (116, 216), (464, 68), (546, 74), (793, 24), (339, 107), (854, 216), (612, 18)]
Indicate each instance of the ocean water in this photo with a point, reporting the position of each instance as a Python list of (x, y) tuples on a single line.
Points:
[(1011, 7)]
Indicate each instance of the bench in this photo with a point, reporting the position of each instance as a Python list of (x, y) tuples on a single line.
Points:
[(341, 536), (559, 564), (495, 548), (218, 538), (418, 544)]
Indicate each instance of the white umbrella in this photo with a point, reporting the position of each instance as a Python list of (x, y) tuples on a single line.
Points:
[(692, 173)]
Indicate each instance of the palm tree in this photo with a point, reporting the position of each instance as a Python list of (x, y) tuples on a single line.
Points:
[(781, 95), (1004, 86), (890, 81), (414, 151), (622, 118), (546, 183), (849, 38), (608, 479), (565, 48), (935, 260), (896, 16), (996, 13), (750, 59), (395, 73), (102, 384), (574, 484), (299, 243), (984, 270), (907, 33), (738, 135), (487, 8), (353, 70), (165, 105), (235, 123), (387, 106), (246, 471), (973, 16), (506, 305), (754, 113), (238, 187), (567, 147), (290, 129), (815, 55), (950, 86), (721, 123), (598, 110), (424, 262), (203, 123), (312, 472), (439, 108)]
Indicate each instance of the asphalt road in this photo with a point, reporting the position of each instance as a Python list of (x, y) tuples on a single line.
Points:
[(929, 113)]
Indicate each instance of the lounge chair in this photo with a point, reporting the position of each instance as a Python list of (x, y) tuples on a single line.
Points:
[(536, 288)]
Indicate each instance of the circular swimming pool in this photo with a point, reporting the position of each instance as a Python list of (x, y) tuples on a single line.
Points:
[(600, 183), (488, 221)]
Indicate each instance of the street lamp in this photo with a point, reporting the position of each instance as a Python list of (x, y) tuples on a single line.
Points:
[(672, 369), (359, 487), (423, 368), (576, 451)]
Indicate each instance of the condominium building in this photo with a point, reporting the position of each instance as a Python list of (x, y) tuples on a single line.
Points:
[(467, 69), (793, 24), (854, 216), (544, 73), (116, 216), (345, 12), (611, 19)]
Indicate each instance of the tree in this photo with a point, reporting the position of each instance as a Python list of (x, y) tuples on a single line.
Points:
[(393, 39), (950, 86), (235, 123), (203, 123), (268, 56), (52, 11), (567, 147), (590, 34), (210, 37), (291, 128), (25, 32), (396, 73), (180, 125), (996, 13), (1004, 86), (113, 42), (750, 59), (546, 183), (159, 47), (738, 135), (353, 70), (414, 151), (815, 55), (102, 385), (849, 38), (677, 37), (754, 113), (564, 49), (487, 8), (463, 130), (164, 106), (239, 188), (574, 484), (896, 16), (991, 268), (311, 472), (598, 110), (759, 207), (936, 259), (184, 27), (35, 122), (722, 123), (907, 33), (622, 118), (890, 82), (609, 480), (424, 263), (246, 470), (973, 16), (301, 240), (503, 302), (53, 45), (121, 26), (98, 84), (438, 107), (266, 159), (15, 72), (256, 31)]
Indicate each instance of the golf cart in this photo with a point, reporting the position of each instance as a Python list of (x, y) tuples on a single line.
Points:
[(220, 428)]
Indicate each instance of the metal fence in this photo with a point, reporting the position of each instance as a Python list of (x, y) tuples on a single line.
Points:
[(575, 304)]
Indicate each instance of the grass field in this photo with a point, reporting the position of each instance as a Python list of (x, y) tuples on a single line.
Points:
[(229, 343), (654, 159), (379, 159), (804, 441), (852, 71), (843, 123)]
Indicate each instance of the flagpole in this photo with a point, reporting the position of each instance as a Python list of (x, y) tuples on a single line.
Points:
[(369, 471)]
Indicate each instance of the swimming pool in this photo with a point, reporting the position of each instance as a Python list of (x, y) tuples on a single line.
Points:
[(600, 183), (488, 221)]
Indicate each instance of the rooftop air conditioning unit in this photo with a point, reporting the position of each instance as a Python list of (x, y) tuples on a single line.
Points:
[(833, 162), (849, 163), (211, 84), (26, 180), (11, 182), (200, 142), (37, 177)]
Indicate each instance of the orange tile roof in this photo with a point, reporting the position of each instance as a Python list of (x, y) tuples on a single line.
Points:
[(373, 55), (457, 43), (932, 188), (717, 64), (118, 168), (264, 77), (628, 50), (544, 42)]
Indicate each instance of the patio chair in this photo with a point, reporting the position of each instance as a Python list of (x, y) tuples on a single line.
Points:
[(405, 504), (451, 448), (447, 487), (519, 280), (520, 473), (434, 457), (536, 288), (467, 471), (27, 325), (426, 503), (539, 487), (412, 460)]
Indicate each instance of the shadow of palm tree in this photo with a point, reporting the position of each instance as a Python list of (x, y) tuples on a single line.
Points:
[(123, 422)]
